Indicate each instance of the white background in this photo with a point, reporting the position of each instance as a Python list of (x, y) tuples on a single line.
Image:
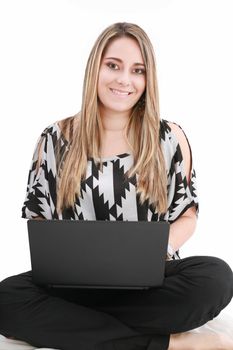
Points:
[(44, 48)]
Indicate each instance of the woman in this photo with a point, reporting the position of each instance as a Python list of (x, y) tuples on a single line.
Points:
[(117, 160)]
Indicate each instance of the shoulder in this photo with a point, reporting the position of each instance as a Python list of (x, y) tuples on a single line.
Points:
[(61, 129), (55, 138), (68, 125), (179, 133), (181, 146), (176, 132)]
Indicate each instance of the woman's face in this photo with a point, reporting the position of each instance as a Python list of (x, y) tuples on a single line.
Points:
[(122, 76)]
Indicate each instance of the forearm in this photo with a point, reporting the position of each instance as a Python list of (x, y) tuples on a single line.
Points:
[(181, 230)]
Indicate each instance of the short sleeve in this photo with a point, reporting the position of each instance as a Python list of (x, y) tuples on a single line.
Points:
[(181, 193), (41, 187)]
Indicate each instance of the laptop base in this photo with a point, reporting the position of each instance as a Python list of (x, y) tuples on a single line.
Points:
[(95, 287)]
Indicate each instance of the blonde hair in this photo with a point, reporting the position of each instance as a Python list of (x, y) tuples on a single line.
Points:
[(142, 131)]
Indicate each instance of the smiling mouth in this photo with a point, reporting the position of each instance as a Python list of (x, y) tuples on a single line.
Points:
[(120, 93)]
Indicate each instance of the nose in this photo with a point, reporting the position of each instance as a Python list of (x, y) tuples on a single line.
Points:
[(123, 79)]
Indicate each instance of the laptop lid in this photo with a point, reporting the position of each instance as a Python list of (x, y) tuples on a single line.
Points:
[(98, 254)]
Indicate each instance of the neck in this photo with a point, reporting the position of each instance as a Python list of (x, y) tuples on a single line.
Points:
[(114, 122)]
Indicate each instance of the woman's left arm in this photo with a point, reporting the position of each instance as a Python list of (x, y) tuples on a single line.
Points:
[(183, 228)]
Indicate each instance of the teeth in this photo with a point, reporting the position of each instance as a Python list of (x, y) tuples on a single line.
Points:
[(120, 92)]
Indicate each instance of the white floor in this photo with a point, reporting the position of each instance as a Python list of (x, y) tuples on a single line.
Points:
[(223, 323)]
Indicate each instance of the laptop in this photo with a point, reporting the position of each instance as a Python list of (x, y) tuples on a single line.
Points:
[(98, 254)]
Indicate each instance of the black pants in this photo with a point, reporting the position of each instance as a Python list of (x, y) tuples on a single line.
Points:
[(195, 290)]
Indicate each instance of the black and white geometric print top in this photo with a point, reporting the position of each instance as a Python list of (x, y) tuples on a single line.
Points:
[(107, 195)]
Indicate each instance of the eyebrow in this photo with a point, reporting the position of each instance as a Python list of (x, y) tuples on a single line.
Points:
[(119, 60)]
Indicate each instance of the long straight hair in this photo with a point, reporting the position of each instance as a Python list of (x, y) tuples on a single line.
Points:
[(142, 131)]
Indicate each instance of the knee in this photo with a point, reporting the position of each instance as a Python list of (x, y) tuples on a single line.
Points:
[(223, 276), (7, 286), (6, 301), (220, 272), (12, 288), (216, 280)]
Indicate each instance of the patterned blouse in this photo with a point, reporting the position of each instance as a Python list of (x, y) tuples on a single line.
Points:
[(107, 195)]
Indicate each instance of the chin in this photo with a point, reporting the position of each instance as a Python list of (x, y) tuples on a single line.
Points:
[(121, 107)]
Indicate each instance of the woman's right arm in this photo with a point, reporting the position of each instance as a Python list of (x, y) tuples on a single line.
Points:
[(40, 201)]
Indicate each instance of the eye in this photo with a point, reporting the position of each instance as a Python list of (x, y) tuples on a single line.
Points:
[(112, 65), (140, 71)]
